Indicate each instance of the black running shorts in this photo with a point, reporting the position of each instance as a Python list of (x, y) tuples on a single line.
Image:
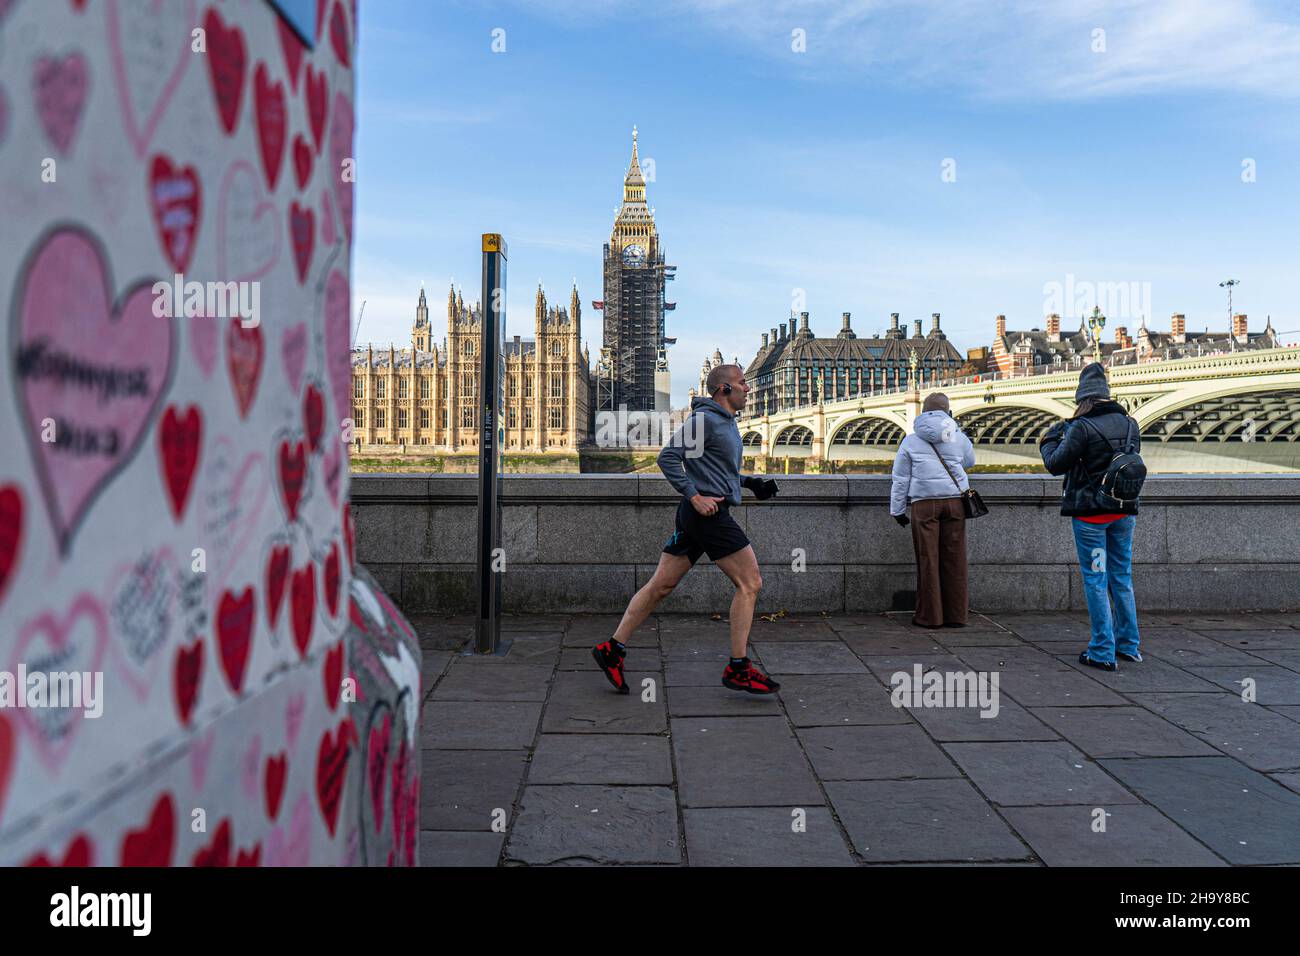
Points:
[(717, 535)]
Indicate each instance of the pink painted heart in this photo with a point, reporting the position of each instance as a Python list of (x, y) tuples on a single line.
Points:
[(293, 352), (338, 343), (75, 640), (302, 235), (97, 368), (201, 758), (294, 710), (249, 236), (203, 342), (60, 86), (341, 153), (233, 490), (291, 846), (250, 768), (149, 48), (245, 349)]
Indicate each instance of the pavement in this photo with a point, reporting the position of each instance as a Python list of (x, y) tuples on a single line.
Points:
[(1191, 758)]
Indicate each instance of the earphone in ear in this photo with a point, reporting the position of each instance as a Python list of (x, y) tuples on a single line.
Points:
[(726, 388)]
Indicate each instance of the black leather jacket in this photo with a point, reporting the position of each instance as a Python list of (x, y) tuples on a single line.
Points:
[(1076, 450)]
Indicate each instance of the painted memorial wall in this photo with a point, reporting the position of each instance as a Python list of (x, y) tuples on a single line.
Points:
[(174, 517)]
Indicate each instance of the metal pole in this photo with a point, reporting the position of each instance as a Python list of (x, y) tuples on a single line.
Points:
[(491, 559)]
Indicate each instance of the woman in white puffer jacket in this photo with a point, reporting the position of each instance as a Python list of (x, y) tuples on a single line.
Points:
[(932, 485)]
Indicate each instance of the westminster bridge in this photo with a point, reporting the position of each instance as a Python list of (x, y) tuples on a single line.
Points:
[(1232, 412)]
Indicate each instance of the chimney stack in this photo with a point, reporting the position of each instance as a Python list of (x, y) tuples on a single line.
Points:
[(1054, 326), (1178, 324), (893, 321), (1239, 326), (1121, 337), (764, 340), (934, 321), (803, 322), (774, 335), (916, 329), (1000, 326), (846, 322)]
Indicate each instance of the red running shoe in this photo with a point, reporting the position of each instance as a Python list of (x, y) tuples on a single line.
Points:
[(749, 678), (610, 660)]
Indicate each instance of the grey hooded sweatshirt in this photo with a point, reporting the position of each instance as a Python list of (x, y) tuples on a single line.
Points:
[(918, 473), (703, 456)]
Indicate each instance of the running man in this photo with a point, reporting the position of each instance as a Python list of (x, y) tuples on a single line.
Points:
[(707, 476)]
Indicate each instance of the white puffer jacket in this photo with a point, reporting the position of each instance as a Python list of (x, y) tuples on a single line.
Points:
[(918, 473)]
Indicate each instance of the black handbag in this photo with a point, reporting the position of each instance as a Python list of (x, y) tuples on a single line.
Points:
[(972, 505)]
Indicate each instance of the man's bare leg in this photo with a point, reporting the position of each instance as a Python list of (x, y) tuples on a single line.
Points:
[(742, 568), (672, 568)]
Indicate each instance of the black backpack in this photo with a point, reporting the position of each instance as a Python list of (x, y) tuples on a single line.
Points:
[(1121, 483)]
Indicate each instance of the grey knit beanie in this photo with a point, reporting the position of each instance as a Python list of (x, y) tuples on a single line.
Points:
[(1092, 383)]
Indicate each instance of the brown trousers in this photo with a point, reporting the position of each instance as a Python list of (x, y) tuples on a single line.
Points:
[(939, 539)]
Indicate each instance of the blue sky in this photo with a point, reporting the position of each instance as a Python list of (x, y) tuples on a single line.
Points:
[(777, 171)]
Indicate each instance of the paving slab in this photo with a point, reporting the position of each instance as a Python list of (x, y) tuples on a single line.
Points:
[(719, 701), (1049, 627), (585, 702), (688, 673), (1036, 774), (610, 759), (741, 762), (1152, 675), (791, 631), (822, 657), (1214, 621), (458, 848), (479, 725), (885, 752), (1240, 814), (462, 789), (866, 643), (1273, 684), (1012, 722), (643, 658), (493, 679), (1290, 659), (1291, 713), (813, 700), (1135, 835), (529, 649), (1251, 733), (1034, 678), (1189, 649), (602, 825), (1121, 732), (1289, 780), (1255, 640), (922, 820), (770, 839), (969, 636)]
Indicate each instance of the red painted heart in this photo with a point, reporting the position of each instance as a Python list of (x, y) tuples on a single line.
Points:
[(293, 476), (226, 61), (332, 675), (216, 853), (277, 574), (268, 98), (293, 50), (277, 770), (332, 575), (317, 91), (80, 852), (188, 677), (302, 158), (303, 606), (151, 845), (331, 772), (377, 766), (302, 232), (176, 200), (339, 35), (179, 440), (313, 415), (245, 351), (11, 533), (235, 621), (251, 857)]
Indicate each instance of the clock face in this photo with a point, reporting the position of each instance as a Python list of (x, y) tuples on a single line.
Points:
[(633, 255)]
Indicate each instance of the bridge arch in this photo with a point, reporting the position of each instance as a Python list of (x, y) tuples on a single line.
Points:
[(1006, 424), (869, 430), (795, 436), (752, 440), (1263, 416)]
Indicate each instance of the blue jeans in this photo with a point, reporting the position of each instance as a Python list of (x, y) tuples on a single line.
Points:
[(1106, 561)]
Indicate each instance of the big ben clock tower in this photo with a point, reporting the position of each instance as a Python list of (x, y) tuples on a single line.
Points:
[(635, 347)]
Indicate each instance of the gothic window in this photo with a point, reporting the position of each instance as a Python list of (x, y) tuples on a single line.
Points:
[(467, 347), (467, 417), (403, 386), (528, 416), (379, 418), (358, 388), (425, 387), (510, 417), (556, 349), (381, 388), (359, 417), (442, 418), (556, 418), (424, 418), (557, 385), (514, 386), (528, 388), (401, 418)]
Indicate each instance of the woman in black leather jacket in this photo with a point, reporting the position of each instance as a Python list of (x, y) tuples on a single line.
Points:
[(1080, 448)]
